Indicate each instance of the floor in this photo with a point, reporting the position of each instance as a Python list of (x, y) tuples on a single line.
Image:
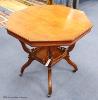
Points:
[(82, 85)]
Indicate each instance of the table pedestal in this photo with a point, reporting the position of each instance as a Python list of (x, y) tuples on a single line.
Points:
[(48, 56)]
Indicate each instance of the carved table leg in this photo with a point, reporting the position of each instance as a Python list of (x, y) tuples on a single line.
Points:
[(30, 58), (26, 65), (49, 81), (67, 58), (71, 63), (25, 48)]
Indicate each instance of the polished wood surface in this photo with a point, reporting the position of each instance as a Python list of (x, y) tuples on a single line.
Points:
[(49, 23)]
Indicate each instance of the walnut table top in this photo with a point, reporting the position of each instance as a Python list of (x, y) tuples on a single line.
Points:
[(49, 24)]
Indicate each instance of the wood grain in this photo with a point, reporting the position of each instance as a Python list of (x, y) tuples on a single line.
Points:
[(48, 23)]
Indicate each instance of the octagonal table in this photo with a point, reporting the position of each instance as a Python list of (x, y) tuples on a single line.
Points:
[(48, 28)]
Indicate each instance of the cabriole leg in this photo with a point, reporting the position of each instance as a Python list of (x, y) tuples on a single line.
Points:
[(71, 63), (26, 65), (67, 58)]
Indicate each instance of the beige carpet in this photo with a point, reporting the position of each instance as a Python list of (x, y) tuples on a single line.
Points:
[(12, 5), (15, 5)]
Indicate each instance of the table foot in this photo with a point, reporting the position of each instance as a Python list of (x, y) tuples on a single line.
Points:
[(74, 70), (49, 81), (48, 95), (20, 74), (71, 63)]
